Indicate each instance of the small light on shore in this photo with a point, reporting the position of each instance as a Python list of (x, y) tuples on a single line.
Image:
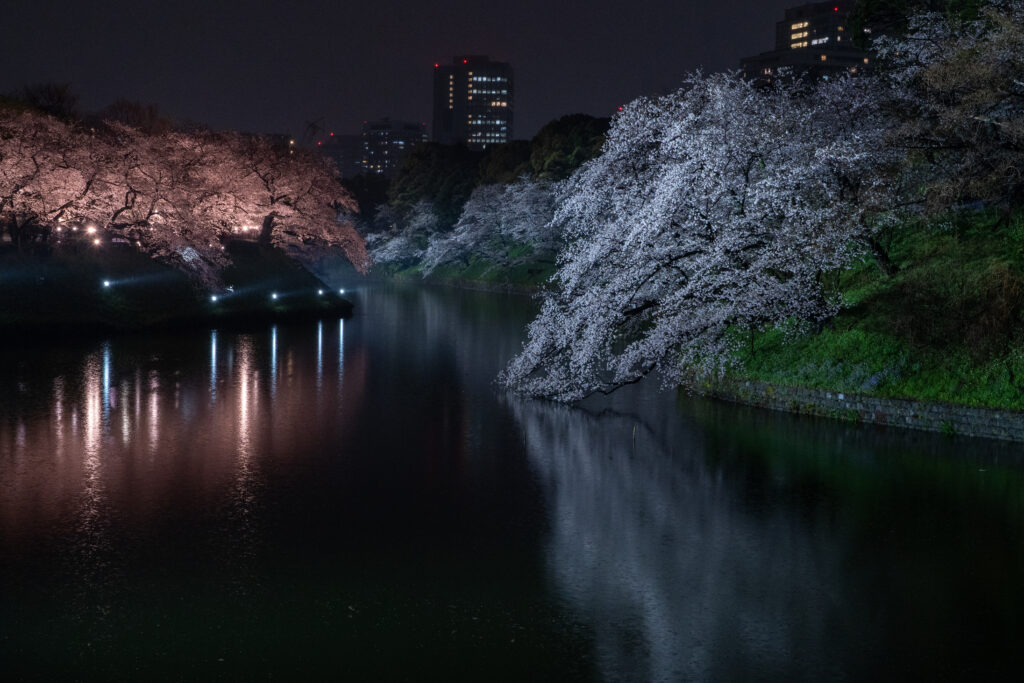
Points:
[(96, 242), (320, 292), (341, 291), (274, 296), (213, 298), (107, 283), (91, 229)]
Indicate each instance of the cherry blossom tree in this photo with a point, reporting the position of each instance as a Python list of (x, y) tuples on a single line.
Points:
[(404, 245), (176, 196), (711, 210), (958, 89), (496, 224)]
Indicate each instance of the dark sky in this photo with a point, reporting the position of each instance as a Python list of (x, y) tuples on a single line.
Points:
[(271, 66)]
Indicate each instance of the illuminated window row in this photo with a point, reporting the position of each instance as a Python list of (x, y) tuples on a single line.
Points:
[(802, 24), (796, 36), (795, 46)]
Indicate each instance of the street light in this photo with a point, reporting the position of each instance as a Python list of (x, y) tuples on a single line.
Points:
[(274, 296), (213, 298), (107, 283), (341, 291), (319, 292)]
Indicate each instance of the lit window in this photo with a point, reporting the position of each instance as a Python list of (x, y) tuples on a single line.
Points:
[(794, 46), (819, 41), (801, 34), (824, 58), (802, 24), (865, 60)]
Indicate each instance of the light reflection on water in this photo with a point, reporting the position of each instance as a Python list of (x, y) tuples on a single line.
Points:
[(271, 496)]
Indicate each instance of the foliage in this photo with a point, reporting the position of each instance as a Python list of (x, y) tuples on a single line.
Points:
[(562, 146), (175, 196), (495, 223), (370, 192), (948, 326), (504, 163), (491, 208), (443, 175), (55, 99), (890, 17), (957, 89), (717, 206)]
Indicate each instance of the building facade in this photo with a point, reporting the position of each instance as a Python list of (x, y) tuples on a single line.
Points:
[(346, 151), (813, 39), (385, 144), (473, 102)]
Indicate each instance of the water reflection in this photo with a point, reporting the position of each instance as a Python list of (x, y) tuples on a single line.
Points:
[(302, 490), (708, 547), (71, 438), (213, 366)]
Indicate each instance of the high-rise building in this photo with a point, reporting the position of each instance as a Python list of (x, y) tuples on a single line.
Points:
[(473, 102), (386, 142), (813, 39)]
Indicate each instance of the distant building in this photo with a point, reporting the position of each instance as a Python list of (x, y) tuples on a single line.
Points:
[(813, 39), (386, 142), (346, 151), (473, 102)]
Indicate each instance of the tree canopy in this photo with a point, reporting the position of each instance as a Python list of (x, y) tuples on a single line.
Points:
[(175, 196)]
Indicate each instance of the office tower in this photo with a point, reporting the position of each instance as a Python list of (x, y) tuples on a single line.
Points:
[(473, 102), (386, 142), (813, 39)]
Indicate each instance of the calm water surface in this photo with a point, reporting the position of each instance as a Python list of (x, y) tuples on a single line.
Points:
[(357, 500)]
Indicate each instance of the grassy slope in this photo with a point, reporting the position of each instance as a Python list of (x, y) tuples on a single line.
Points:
[(949, 326)]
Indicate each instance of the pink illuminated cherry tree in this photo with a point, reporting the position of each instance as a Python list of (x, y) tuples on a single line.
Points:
[(176, 196)]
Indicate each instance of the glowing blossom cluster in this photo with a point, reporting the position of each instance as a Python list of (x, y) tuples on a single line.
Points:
[(495, 225), (175, 196), (711, 210)]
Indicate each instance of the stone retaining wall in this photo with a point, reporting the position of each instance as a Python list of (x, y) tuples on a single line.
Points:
[(934, 417)]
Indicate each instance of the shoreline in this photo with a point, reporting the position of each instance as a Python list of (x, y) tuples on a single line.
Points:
[(945, 418)]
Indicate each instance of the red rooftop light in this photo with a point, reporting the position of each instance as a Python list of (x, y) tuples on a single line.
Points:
[(319, 142), (436, 65), (465, 61), (332, 135)]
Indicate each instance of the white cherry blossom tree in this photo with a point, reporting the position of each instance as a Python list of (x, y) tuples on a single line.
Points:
[(714, 209), (496, 223)]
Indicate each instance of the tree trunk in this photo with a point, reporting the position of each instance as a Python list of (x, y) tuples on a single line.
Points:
[(882, 259), (267, 231)]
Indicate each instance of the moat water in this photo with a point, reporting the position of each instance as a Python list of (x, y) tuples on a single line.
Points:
[(358, 500)]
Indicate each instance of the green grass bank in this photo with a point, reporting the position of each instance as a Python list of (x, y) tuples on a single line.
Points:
[(947, 326)]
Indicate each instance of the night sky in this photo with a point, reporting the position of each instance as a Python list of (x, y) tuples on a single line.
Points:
[(271, 66)]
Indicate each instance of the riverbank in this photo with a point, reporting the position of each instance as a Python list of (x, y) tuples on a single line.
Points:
[(477, 274), (944, 418), (117, 289), (934, 341)]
